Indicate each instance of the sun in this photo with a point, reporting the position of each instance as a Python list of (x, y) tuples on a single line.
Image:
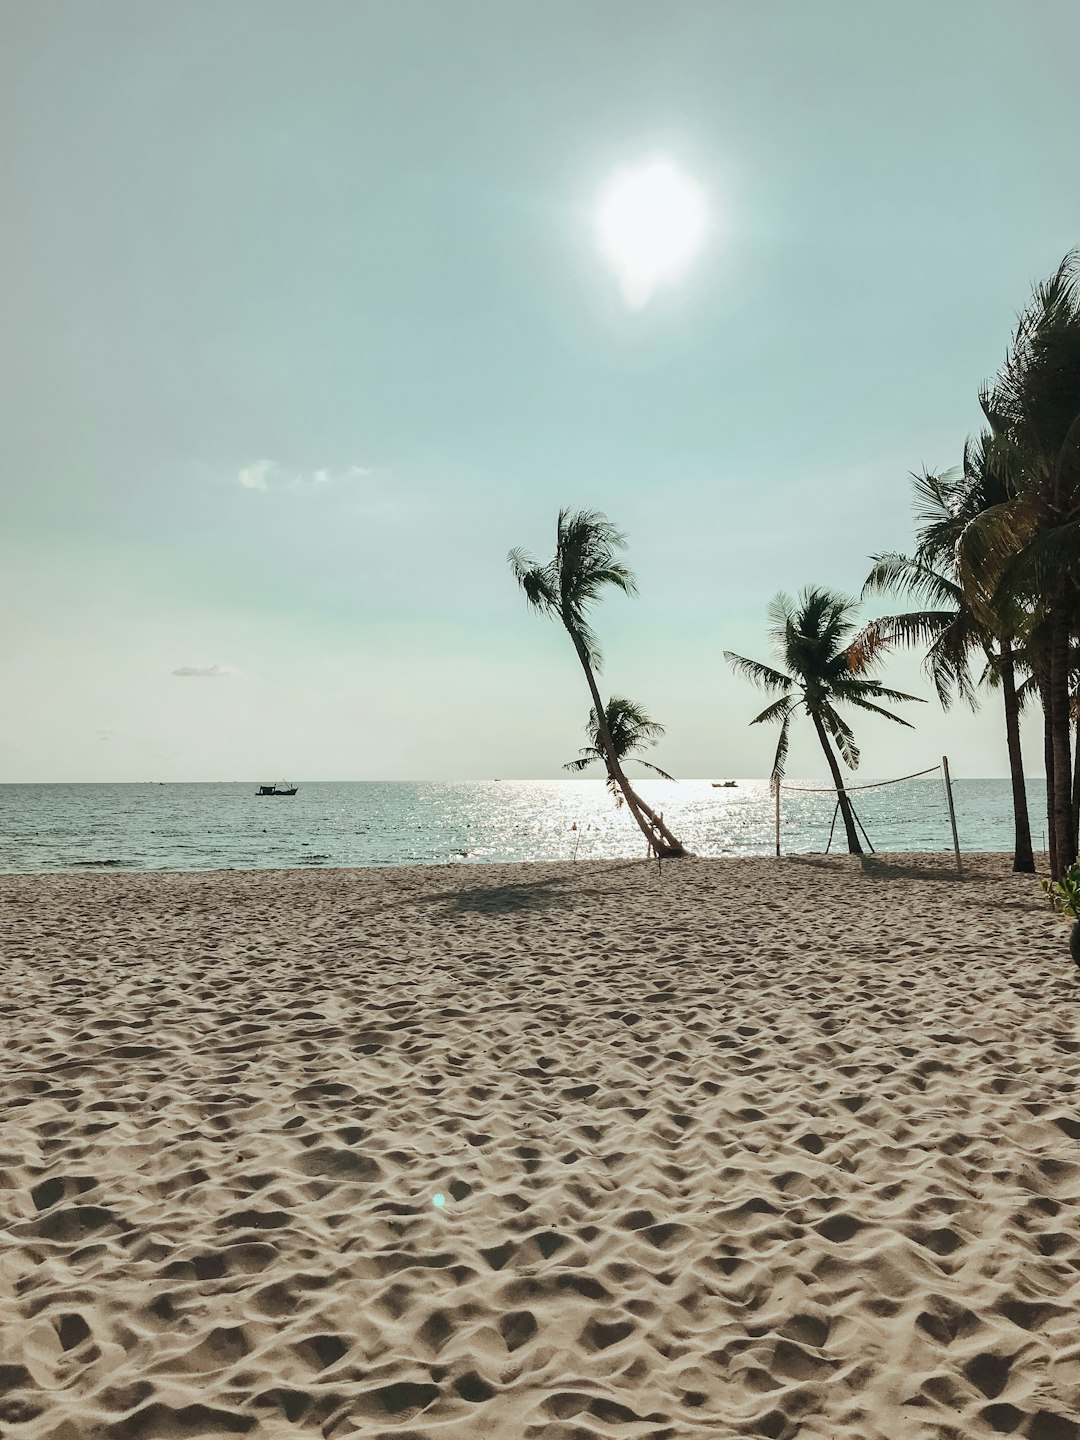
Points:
[(650, 223)]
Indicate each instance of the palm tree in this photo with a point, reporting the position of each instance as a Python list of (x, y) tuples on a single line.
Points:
[(630, 730), (950, 626), (1034, 655), (1030, 544), (812, 637), (947, 627), (585, 564)]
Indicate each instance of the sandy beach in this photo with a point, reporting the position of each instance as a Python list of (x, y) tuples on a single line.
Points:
[(544, 1152)]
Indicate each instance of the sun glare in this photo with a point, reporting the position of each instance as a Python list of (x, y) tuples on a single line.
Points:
[(650, 223)]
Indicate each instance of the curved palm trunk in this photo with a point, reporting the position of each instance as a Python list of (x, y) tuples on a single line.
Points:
[(660, 838), (1023, 859), (1061, 739), (854, 848)]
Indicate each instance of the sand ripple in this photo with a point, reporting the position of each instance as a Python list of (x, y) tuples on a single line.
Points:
[(541, 1152)]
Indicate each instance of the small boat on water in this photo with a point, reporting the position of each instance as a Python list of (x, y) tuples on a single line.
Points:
[(725, 784), (281, 788)]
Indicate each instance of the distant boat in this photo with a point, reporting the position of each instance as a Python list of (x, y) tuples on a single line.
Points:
[(725, 784), (281, 788)]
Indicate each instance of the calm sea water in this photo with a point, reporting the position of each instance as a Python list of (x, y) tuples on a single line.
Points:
[(211, 827)]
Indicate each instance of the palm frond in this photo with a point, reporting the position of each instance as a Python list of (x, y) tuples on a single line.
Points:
[(878, 636), (779, 615), (536, 580), (843, 734), (947, 662), (587, 757), (617, 575), (856, 686), (1027, 693), (864, 704), (1038, 568), (581, 631), (914, 576), (654, 768), (989, 546), (778, 710), (779, 765), (890, 572), (941, 504), (761, 675), (1068, 455)]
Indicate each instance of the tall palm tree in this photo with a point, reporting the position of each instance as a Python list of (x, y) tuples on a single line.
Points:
[(630, 729), (584, 565), (1031, 542), (951, 626), (812, 636)]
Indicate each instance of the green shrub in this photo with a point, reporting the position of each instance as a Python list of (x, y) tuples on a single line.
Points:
[(1064, 894)]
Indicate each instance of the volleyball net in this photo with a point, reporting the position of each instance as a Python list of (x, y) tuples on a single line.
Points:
[(845, 796)]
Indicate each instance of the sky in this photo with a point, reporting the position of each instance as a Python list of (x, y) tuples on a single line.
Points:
[(305, 326)]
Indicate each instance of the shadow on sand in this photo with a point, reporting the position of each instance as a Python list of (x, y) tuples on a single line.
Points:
[(516, 896), (882, 869), (504, 899)]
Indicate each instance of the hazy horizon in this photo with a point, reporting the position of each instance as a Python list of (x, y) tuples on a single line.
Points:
[(852, 779), (306, 327)]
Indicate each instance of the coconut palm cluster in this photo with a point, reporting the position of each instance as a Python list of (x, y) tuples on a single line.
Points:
[(993, 580)]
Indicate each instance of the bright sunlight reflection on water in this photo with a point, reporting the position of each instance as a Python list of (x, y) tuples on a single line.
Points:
[(205, 827)]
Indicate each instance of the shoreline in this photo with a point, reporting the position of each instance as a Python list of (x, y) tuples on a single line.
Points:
[(99, 867)]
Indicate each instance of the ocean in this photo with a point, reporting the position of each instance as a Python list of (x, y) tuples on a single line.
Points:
[(227, 826)]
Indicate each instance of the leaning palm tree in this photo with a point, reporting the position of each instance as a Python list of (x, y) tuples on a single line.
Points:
[(585, 563), (813, 638), (630, 729)]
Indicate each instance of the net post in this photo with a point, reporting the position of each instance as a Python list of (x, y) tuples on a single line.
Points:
[(776, 790), (952, 813)]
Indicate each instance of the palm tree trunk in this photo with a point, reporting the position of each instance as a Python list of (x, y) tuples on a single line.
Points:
[(660, 838), (1076, 789), (1023, 859), (1048, 762), (854, 848), (1061, 737)]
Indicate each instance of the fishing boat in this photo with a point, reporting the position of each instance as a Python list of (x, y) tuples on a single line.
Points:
[(282, 787)]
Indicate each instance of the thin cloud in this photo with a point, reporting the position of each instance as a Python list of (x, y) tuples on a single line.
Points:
[(256, 476), (203, 672), (338, 477), (269, 475)]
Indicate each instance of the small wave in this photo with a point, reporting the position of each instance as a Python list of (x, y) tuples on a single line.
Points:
[(86, 864)]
